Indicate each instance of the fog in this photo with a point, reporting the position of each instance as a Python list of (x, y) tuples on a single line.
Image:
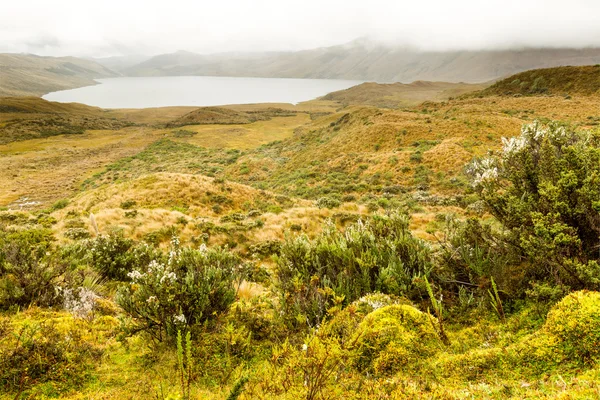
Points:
[(111, 27)]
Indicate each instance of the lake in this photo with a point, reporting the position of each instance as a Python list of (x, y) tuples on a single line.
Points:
[(197, 91)]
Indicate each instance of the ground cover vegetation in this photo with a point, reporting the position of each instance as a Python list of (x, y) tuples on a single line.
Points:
[(449, 250)]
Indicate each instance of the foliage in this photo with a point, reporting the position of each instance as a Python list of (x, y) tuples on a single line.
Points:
[(29, 268), (545, 190), (393, 338), (339, 267), (191, 287), (39, 353), (184, 363), (575, 321), (114, 256)]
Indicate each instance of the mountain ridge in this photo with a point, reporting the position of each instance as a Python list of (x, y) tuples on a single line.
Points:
[(367, 61)]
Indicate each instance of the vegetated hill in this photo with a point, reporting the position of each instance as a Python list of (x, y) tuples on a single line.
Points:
[(365, 60), (222, 115), (394, 95), (119, 63), (23, 118), (31, 75), (580, 80)]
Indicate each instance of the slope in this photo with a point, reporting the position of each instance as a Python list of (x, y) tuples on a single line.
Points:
[(31, 75)]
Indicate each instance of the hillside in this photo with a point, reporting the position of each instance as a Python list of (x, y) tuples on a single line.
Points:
[(31, 75), (333, 249), (222, 115), (365, 60), (582, 80), (394, 95)]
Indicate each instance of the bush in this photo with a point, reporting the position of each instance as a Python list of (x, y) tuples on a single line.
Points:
[(545, 190), (394, 337), (28, 268), (328, 202), (575, 321), (39, 354), (340, 267), (193, 286), (114, 256)]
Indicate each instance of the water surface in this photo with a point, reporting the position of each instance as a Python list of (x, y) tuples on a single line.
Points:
[(197, 91)]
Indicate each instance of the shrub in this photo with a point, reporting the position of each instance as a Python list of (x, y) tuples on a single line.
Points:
[(40, 354), (193, 286), (59, 205), (328, 202), (575, 321), (394, 337), (340, 267), (114, 256), (28, 268), (545, 190)]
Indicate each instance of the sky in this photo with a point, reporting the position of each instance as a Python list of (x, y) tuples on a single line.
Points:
[(148, 27)]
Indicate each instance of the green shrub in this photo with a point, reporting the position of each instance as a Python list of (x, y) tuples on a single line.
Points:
[(545, 190), (340, 267), (41, 354), (193, 286), (60, 204), (328, 202), (575, 321), (114, 256), (28, 268), (394, 337)]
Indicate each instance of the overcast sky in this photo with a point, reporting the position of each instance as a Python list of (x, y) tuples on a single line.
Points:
[(118, 27)]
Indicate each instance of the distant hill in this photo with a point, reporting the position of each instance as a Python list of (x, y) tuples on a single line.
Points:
[(227, 116), (583, 80), (119, 63), (368, 61), (31, 75), (394, 95)]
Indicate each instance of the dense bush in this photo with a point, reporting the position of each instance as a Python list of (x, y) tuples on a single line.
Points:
[(29, 268), (340, 267), (544, 188), (114, 256), (575, 321), (193, 286), (394, 337)]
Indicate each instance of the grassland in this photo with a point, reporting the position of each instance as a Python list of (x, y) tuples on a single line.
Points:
[(340, 182)]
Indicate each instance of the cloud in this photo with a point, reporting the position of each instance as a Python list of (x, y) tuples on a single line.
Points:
[(116, 27)]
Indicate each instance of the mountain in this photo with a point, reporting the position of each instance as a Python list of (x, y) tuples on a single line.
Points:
[(119, 63), (31, 75), (366, 60), (369, 61)]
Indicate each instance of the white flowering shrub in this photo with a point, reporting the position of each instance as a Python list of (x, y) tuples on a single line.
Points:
[(544, 187), (114, 256), (80, 302), (189, 288)]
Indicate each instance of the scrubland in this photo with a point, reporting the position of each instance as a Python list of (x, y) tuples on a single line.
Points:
[(445, 250)]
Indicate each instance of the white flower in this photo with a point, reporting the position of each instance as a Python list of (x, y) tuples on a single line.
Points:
[(135, 275), (80, 303), (203, 249), (151, 299), (170, 276), (179, 319), (304, 347)]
